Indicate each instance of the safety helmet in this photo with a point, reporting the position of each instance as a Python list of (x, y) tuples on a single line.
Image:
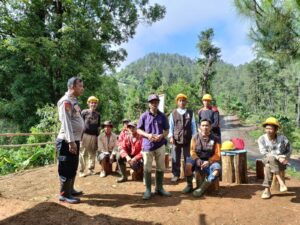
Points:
[(181, 96), (207, 97), (92, 99), (271, 121), (227, 146)]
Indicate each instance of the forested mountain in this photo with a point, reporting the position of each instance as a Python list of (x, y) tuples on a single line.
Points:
[(170, 66)]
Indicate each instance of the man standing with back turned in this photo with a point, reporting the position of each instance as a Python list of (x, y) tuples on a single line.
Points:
[(68, 139)]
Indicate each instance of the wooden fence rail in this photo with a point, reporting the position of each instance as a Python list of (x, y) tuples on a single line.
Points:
[(26, 134)]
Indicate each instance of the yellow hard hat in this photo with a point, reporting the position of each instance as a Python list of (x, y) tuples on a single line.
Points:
[(181, 96), (92, 99), (227, 146), (207, 97), (271, 121)]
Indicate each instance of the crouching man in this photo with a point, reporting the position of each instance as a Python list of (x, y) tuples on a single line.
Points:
[(130, 152), (107, 148), (204, 160), (276, 151)]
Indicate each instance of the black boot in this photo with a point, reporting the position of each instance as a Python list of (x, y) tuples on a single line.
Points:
[(65, 191), (159, 176), (147, 179), (189, 186), (123, 177), (74, 192)]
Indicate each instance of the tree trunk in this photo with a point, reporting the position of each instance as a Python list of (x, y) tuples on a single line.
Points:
[(298, 107)]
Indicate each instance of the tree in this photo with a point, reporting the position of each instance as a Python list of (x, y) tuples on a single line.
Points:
[(44, 42), (211, 54)]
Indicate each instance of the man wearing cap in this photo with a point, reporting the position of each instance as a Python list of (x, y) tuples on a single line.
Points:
[(89, 138), (212, 113), (276, 151), (204, 160), (182, 128), (123, 133), (130, 152), (107, 147), (154, 127), (68, 139)]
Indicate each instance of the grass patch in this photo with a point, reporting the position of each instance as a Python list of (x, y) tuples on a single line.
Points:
[(292, 172), (256, 133)]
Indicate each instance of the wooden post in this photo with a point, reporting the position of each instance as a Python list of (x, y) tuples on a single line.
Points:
[(228, 174), (167, 160), (275, 184), (240, 168), (214, 187), (182, 169), (259, 169)]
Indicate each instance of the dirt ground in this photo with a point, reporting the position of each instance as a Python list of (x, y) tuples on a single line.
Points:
[(31, 197)]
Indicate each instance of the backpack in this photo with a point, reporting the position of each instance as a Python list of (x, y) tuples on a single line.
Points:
[(238, 143)]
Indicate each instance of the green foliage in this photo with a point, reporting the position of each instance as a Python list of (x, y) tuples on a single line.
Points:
[(43, 43), (210, 54), (13, 160)]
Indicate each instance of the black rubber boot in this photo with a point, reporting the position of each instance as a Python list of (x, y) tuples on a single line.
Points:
[(189, 186), (123, 177), (147, 178), (200, 191), (65, 191), (74, 192), (159, 176)]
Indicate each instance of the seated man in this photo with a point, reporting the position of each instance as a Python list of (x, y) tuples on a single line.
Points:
[(107, 148), (204, 160), (130, 151), (276, 151)]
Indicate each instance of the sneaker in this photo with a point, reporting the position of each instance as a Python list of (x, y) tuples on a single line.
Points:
[(174, 179), (82, 174), (283, 188), (102, 174), (266, 195)]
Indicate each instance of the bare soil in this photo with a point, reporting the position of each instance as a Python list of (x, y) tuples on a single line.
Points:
[(31, 197)]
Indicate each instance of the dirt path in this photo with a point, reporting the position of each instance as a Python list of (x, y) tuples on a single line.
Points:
[(30, 198)]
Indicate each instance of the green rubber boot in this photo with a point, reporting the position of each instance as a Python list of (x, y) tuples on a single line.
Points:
[(123, 177), (147, 178), (200, 191), (199, 179), (159, 176), (189, 186)]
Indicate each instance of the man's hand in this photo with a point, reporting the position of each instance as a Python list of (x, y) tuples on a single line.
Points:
[(158, 138), (73, 148), (204, 164), (151, 137), (283, 160), (199, 162), (128, 159), (172, 140)]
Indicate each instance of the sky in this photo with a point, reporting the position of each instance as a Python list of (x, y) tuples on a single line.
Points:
[(178, 31)]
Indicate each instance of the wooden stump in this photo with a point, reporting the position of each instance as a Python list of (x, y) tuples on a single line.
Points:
[(214, 187), (228, 174), (259, 169), (240, 168), (234, 167), (137, 175), (275, 184), (106, 166)]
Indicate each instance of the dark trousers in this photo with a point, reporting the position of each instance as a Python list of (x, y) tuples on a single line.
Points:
[(67, 162), (176, 157)]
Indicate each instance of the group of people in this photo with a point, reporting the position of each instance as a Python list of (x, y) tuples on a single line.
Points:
[(140, 143)]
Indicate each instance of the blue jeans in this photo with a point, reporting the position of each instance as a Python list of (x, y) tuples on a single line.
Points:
[(208, 171)]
